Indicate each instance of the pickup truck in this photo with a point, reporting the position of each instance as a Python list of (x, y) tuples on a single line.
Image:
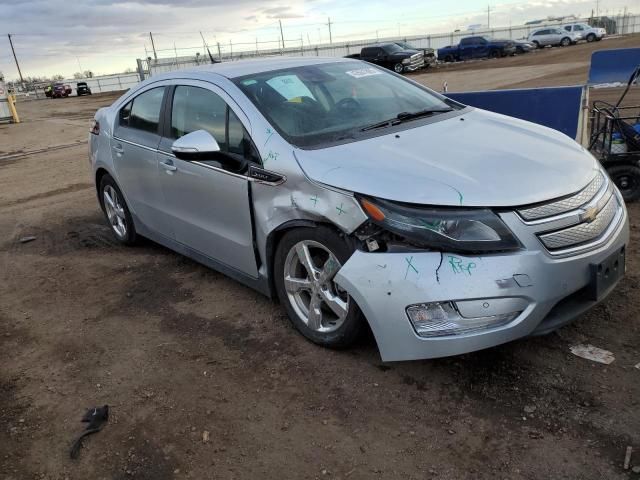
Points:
[(476, 47), (392, 56)]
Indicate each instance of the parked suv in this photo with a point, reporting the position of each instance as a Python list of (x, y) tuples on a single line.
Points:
[(358, 197), (553, 37), (587, 32), (82, 89)]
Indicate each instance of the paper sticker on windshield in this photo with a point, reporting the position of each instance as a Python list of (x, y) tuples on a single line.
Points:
[(290, 87), (364, 72)]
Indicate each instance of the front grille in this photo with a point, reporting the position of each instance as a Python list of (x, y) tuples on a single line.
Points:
[(577, 222), (564, 205), (583, 233), (416, 60)]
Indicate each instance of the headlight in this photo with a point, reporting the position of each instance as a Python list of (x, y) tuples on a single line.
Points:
[(446, 228), (406, 60)]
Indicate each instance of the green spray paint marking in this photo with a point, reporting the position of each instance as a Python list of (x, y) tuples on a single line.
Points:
[(271, 156), (270, 133), (435, 225), (458, 265), (409, 266), (314, 199), (340, 209)]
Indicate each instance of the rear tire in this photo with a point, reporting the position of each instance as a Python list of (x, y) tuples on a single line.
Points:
[(591, 37), (627, 179), (116, 211), (536, 44), (317, 307)]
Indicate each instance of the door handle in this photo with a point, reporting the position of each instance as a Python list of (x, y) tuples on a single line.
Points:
[(168, 167), (118, 149)]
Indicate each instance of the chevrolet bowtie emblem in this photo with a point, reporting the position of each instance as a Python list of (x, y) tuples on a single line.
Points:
[(589, 214)]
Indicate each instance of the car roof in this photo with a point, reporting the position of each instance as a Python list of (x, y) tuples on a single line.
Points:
[(240, 68)]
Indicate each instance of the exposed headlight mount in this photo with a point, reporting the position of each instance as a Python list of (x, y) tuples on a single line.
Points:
[(446, 228)]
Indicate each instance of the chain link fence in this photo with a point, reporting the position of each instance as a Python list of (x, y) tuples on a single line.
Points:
[(616, 25), (99, 84)]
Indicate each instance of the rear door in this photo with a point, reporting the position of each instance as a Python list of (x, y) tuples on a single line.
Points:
[(555, 35), (466, 48), (481, 49), (208, 203), (134, 147)]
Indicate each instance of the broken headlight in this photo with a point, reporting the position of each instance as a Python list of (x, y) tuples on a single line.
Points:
[(445, 228)]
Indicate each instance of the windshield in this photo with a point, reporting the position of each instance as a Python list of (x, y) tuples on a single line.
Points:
[(317, 104), (392, 48)]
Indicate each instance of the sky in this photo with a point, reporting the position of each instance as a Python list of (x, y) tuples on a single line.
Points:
[(106, 36)]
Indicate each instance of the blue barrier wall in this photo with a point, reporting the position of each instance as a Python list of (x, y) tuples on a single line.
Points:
[(613, 66), (554, 107)]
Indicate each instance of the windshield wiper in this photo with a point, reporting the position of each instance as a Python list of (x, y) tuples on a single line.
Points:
[(405, 116)]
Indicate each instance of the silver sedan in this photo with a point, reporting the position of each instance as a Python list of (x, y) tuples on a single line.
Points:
[(361, 199)]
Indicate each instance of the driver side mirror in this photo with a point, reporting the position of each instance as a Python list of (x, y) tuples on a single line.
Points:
[(198, 145)]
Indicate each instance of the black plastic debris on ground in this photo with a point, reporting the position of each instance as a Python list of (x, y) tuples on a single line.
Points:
[(96, 417)]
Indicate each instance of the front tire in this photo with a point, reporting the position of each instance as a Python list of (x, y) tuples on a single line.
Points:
[(536, 44), (591, 37), (398, 68), (565, 42), (627, 179), (305, 265), (494, 54), (116, 211)]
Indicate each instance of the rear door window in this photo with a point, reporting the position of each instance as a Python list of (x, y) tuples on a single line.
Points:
[(145, 112), (139, 119)]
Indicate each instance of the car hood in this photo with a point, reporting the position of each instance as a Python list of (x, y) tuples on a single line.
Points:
[(477, 159), (404, 54)]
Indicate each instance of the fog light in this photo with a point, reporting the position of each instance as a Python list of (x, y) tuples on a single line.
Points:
[(442, 319)]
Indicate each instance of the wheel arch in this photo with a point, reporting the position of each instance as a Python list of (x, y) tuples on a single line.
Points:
[(99, 175), (274, 238)]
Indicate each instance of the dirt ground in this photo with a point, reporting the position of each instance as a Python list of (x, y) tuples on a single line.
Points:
[(177, 350)]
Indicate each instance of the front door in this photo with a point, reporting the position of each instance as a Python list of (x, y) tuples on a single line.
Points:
[(208, 203)]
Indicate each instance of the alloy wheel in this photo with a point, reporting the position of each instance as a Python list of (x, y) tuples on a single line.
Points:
[(309, 271), (113, 205)]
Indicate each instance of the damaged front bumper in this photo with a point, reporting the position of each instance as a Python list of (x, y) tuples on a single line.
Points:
[(500, 297)]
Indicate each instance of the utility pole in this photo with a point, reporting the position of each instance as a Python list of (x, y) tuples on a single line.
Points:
[(329, 25), (153, 46), (206, 47), (597, 8), (308, 39), (204, 44), (219, 52), (281, 33), (488, 17), (16, 59)]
